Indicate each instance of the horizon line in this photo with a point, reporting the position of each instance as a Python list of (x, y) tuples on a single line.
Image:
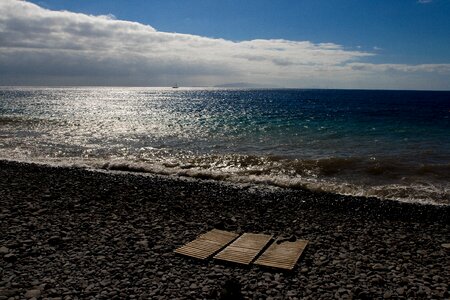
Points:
[(221, 87)]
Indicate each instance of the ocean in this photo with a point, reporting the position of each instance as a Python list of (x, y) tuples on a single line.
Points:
[(384, 144)]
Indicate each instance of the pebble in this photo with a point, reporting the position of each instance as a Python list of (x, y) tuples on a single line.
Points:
[(54, 240), (10, 257), (33, 293), (193, 286), (378, 267), (400, 291), (387, 295)]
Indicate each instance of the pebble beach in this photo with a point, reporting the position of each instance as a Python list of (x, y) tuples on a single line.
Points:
[(73, 233)]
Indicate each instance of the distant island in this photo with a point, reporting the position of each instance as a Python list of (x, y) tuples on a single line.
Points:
[(245, 85)]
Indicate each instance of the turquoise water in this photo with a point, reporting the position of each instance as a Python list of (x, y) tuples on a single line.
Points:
[(388, 144)]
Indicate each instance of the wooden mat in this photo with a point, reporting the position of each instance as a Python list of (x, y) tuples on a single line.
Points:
[(282, 255), (244, 249), (207, 244)]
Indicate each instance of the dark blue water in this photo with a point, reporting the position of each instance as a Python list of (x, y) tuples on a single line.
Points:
[(388, 144)]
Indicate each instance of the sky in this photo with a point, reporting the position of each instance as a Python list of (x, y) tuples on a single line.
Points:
[(366, 44)]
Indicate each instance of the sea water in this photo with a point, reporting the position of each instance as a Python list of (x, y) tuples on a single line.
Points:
[(386, 144)]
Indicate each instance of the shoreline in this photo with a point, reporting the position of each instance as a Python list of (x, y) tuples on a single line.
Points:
[(240, 181), (82, 233)]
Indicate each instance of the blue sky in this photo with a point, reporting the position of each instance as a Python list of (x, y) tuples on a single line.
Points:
[(402, 44)]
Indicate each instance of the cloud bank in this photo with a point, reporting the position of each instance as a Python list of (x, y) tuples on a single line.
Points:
[(43, 47)]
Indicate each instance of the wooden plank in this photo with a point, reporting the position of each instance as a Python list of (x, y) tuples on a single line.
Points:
[(207, 244), (282, 254), (244, 249)]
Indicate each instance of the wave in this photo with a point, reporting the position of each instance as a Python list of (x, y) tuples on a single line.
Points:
[(335, 175), (383, 179), (6, 120), (382, 169)]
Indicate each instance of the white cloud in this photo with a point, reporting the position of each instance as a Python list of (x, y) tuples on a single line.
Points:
[(376, 68), (40, 46)]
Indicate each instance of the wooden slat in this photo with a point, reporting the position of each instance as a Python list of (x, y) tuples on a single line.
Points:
[(244, 249), (282, 255), (207, 244)]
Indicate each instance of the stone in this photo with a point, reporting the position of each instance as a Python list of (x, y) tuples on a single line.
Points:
[(378, 267), (33, 293), (446, 245), (10, 257), (9, 293), (437, 278), (54, 241), (143, 243), (387, 295), (400, 291), (291, 293), (105, 282), (4, 250), (231, 290)]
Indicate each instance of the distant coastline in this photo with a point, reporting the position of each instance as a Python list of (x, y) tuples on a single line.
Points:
[(225, 85), (246, 85)]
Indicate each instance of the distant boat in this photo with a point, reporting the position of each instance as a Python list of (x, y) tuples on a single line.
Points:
[(175, 86)]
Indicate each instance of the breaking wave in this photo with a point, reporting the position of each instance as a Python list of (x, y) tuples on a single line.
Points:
[(346, 176)]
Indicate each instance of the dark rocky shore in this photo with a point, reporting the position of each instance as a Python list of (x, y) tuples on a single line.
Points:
[(69, 233)]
